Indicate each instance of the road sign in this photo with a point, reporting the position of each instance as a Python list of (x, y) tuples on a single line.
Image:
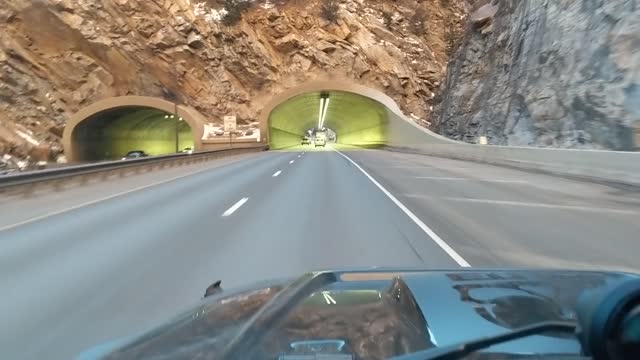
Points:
[(229, 123)]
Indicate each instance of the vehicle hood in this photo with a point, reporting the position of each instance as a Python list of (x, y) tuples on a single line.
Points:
[(374, 314)]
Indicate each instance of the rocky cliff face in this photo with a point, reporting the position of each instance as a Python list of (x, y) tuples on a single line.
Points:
[(58, 56), (547, 73)]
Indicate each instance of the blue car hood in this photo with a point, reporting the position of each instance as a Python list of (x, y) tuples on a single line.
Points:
[(372, 314)]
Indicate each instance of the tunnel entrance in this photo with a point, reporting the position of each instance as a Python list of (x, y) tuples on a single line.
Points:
[(356, 119), (110, 134), (109, 128)]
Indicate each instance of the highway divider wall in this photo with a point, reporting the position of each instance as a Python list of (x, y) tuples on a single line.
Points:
[(610, 166)]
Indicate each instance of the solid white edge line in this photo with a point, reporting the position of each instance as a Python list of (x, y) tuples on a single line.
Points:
[(470, 179), (81, 205), (437, 239), (275, 174), (542, 205), (235, 207)]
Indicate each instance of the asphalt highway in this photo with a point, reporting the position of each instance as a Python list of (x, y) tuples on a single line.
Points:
[(108, 260)]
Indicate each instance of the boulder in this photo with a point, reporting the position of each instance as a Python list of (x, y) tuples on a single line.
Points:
[(278, 29), (325, 46), (289, 43), (166, 38), (360, 67), (303, 22), (273, 15), (147, 26), (484, 15), (301, 63), (340, 31), (322, 58), (183, 26), (383, 34), (195, 41)]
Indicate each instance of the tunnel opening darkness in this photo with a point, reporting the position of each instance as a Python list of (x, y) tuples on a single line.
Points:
[(110, 134), (356, 120)]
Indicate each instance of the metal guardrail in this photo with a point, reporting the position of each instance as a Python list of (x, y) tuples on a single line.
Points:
[(27, 182)]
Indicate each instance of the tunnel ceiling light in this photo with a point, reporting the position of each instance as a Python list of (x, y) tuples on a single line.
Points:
[(324, 113), (320, 111)]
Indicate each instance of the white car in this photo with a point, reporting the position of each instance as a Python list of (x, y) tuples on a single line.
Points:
[(320, 142)]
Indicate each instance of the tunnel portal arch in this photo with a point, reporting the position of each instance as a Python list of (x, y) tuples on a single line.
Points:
[(319, 86), (398, 128), (76, 148)]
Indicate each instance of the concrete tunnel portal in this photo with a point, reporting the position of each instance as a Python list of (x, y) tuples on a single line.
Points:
[(359, 115), (111, 134), (110, 128), (356, 119)]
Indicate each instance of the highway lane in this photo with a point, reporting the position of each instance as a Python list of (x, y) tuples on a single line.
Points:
[(15, 208), (96, 272), (119, 266), (495, 216)]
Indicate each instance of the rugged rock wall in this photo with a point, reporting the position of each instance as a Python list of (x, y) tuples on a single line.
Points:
[(57, 56), (547, 73)]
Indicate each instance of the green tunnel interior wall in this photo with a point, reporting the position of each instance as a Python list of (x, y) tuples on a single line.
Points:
[(357, 120), (111, 134)]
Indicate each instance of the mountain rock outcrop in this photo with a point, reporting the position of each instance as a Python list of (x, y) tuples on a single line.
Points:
[(546, 73), (57, 56), (527, 72)]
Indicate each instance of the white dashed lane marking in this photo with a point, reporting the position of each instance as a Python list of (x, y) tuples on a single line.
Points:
[(235, 207)]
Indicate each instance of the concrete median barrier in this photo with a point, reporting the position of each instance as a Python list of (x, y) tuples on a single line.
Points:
[(610, 166)]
